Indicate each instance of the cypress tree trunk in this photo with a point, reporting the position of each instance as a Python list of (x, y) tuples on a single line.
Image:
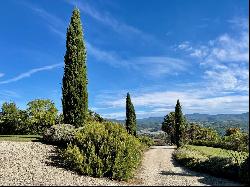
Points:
[(179, 124), (74, 90), (130, 116)]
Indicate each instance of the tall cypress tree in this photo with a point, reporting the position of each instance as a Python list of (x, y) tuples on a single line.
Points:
[(74, 90), (130, 116), (179, 124)]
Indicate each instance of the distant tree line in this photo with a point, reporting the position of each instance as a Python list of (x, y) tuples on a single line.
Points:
[(181, 132)]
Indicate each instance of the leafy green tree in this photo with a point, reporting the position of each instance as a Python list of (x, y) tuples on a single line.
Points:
[(74, 90), (179, 124), (168, 126), (196, 132), (11, 119), (42, 114), (130, 116)]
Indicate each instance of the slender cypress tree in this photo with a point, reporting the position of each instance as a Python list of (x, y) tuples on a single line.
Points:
[(74, 89), (130, 116), (179, 124)]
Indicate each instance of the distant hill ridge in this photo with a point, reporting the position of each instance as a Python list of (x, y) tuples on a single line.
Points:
[(220, 122)]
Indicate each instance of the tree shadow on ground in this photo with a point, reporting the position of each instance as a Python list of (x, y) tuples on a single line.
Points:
[(55, 160), (37, 140), (174, 173)]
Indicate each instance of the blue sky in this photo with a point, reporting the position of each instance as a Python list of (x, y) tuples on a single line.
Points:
[(158, 50)]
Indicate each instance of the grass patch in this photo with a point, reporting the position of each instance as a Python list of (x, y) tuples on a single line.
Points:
[(209, 151), (21, 138)]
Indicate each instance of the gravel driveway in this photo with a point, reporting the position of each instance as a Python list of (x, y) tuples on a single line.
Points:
[(158, 168), (29, 163)]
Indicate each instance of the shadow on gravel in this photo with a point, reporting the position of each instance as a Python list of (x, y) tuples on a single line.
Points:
[(173, 173), (169, 148), (55, 160), (37, 140)]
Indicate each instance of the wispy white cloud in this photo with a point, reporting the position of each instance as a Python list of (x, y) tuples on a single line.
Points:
[(155, 66), (160, 103), (118, 26), (225, 60), (55, 24), (4, 94), (31, 72), (109, 57), (1, 75), (239, 23), (225, 48), (106, 19)]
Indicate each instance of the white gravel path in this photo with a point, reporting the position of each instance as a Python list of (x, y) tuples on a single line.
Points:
[(159, 169), (29, 163)]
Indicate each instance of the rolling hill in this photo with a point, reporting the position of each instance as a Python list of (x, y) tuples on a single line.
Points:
[(219, 122)]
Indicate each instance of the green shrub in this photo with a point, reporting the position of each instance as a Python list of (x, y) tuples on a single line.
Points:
[(236, 141), (104, 149), (215, 161), (145, 140), (59, 134)]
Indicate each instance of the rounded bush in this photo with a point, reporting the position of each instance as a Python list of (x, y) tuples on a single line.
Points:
[(60, 134), (104, 149)]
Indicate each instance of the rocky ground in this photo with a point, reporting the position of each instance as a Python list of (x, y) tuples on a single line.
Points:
[(34, 163)]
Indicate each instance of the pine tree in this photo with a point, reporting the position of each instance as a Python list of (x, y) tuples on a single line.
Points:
[(179, 124), (130, 116), (74, 90)]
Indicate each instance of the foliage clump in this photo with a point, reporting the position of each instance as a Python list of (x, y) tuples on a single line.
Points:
[(237, 141), (215, 161), (146, 140), (104, 150), (60, 134)]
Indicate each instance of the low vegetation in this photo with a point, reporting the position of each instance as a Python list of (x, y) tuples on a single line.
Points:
[(236, 140), (104, 150), (60, 134), (216, 161)]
